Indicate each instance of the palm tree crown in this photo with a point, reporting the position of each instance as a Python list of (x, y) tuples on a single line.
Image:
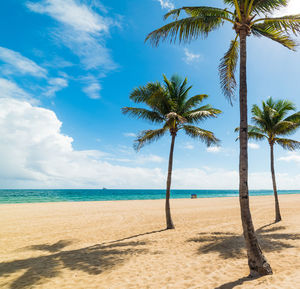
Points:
[(245, 15), (168, 104), (273, 124)]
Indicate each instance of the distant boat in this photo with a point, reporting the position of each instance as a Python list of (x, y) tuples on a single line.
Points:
[(104, 188)]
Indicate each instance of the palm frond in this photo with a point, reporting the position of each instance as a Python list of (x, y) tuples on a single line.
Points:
[(148, 136), (205, 136), (145, 93), (256, 111), (282, 106), (267, 6), (200, 11), (254, 132), (193, 102), (289, 23), (169, 85), (288, 143), (263, 29), (237, 6), (294, 117), (286, 127), (261, 117), (201, 113), (183, 92), (142, 113), (185, 30), (227, 69)]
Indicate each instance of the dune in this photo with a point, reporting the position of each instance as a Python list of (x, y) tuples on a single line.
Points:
[(123, 244)]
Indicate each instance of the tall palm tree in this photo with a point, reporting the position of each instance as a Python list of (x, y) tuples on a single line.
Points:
[(271, 124), (170, 106), (247, 17)]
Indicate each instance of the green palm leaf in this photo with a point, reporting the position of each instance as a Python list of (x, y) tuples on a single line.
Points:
[(143, 113), (204, 135), (202, 11), (185, 30), (146, 93), (286, 127), (227, 69), (294, 117), (193, 102), (288, 143), (263, 29), (201, 113), (255, 133), (267, 6), (271, 121), (149, 136), (281, 106), (289, 23)]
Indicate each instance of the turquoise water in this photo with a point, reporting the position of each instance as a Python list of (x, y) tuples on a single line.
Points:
[(41, 196)]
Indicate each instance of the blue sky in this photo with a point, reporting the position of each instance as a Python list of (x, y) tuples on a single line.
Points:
[(67, 68)]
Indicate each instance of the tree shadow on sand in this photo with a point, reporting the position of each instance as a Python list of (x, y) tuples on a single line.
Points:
[(92, 260), (238, 282), (135, 236), (230, 245)]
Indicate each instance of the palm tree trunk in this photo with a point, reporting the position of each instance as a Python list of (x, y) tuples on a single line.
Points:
[(169, 221), (257, 262), (277, 210)]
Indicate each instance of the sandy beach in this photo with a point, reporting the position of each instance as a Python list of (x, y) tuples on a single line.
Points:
[(123, 244)]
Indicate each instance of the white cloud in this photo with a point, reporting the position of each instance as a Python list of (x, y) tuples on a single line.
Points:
[(129, 134), (92, 88), (138, 159), (213, 149), (20, 64), (291, 157), (92, 53), (82, 30), (35, 153), (263, 180), (71, 13), (58, 62), (216, 178), (142, 159), (189, 146), (166, 4), (55, 85), (190, 57), (253, 146), (194, 178), (16, 63), (9, 89)]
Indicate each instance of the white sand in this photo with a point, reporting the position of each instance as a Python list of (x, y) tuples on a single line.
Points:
[(119, 244)]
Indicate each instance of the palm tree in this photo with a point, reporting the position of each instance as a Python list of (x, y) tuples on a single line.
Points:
[(271, 124), (170, 106), (246, 17)]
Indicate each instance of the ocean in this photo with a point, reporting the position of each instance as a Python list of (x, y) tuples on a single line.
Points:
[(42, 196)]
